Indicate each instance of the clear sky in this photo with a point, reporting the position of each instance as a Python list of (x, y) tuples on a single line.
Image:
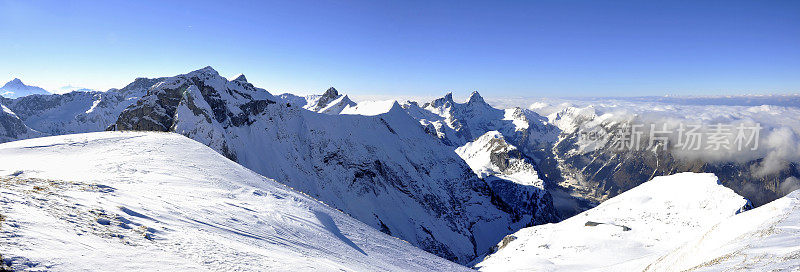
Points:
[(501, 48)]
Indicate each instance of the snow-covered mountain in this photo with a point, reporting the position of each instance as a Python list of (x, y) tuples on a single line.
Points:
[(458, 123), (383, 170), (330, 102), (12, 128), (624, 233), (155, 201), (15, 89), (77, 112), (533, 136), (511, 175)]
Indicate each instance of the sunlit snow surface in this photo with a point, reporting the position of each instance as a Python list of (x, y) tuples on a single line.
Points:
[(637, 227), (160, 201), (764, 239)]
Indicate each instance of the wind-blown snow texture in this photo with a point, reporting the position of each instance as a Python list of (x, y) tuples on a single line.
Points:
[(766, 238), (155, 201)]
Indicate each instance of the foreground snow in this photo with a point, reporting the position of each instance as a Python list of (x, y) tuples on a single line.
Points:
[(154, 201), (766, 238), (625, 233)]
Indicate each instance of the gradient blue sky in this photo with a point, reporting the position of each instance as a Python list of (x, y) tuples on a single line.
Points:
[(501, 48)]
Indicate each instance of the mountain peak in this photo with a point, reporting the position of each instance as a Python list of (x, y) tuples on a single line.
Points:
[(241, 78), (16, 82), (475, 97), (447, 98), (205, 70), (331, 93)]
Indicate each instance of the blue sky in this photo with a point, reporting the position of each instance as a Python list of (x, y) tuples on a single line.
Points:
[(501, 48)]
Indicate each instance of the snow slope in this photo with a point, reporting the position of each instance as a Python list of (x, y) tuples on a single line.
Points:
[(766, 238), (624, 233), (156, 201)]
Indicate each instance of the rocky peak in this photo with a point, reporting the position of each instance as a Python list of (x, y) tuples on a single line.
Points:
[(331, 93), (240, 78), (476, 99), (448, 98)]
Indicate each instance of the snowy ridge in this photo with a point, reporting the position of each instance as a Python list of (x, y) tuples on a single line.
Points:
[(149, 201), (370, 108), (625, 233)]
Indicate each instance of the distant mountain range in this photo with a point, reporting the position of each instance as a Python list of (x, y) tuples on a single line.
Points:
[(15, 89)]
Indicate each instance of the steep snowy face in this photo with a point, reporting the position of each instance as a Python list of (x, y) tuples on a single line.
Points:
[(624, 233), (491, 155), (150, 201), (766, 238), (331, 102), (511, 175), (15, 89), (12, 128), (77, 112), (383, 170)]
